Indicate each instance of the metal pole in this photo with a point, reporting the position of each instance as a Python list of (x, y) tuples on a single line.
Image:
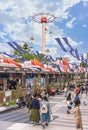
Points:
[(43, 38)]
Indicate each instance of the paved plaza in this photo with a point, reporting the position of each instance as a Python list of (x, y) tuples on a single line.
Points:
[(18, 119)]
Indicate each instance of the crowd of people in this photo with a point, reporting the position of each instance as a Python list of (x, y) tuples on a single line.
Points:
[(74, 100), (39, 106)]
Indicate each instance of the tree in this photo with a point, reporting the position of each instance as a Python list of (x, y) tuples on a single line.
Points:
[(82, 64), (25, 56)]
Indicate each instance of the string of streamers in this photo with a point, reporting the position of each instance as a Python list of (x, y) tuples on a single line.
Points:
[(73, 52)]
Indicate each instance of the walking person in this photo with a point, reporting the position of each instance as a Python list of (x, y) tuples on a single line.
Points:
[(35, 107), (86, 88), (69, 103), (77, 89), (84, 99), (77, 114), (65, 91), (45, 112), (77, 93), (81, 89), (28, 101)]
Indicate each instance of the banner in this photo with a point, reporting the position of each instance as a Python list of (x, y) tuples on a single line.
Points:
[(73, 52)]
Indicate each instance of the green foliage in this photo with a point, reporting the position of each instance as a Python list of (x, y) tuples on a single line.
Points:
[(82, 64), (10, 103), (18, 91), (35, 85), (59, 58), (28, 56), (47, 50), (39, 57)]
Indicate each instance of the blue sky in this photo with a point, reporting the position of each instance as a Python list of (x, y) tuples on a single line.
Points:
[(72, 22)]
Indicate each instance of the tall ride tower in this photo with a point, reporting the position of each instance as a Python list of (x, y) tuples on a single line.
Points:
[(43, 18)]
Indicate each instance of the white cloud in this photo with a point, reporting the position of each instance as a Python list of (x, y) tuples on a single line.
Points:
[(85, 2), (52, 51), (56, 32), (13, 15), (80, 43), (71, 42), (4, 47), (84, 25), (72, 59), (74, 43), (85, 55), (70, 23)]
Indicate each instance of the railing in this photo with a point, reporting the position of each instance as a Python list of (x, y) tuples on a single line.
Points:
[(13, 96)]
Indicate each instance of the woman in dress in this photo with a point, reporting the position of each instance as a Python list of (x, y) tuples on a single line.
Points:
[(35, 107), (77, 114)]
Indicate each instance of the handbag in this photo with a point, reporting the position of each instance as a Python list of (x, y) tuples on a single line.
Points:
[(51, 117)]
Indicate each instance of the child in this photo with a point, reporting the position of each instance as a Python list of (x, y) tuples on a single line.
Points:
[(69, 103), (77, 115), (84, 100)]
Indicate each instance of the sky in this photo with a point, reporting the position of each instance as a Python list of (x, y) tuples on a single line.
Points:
[(71, 21)]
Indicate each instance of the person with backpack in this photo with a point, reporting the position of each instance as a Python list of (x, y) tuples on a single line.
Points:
[(45, 112), (77, 97), (35, 113), (86, 88)]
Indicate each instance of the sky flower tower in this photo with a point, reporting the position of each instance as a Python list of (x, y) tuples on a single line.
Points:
[(43, 18)]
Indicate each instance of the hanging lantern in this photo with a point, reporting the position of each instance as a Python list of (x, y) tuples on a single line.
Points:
[(25, 45), (45, 29), (32, 38), (50, 33)]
